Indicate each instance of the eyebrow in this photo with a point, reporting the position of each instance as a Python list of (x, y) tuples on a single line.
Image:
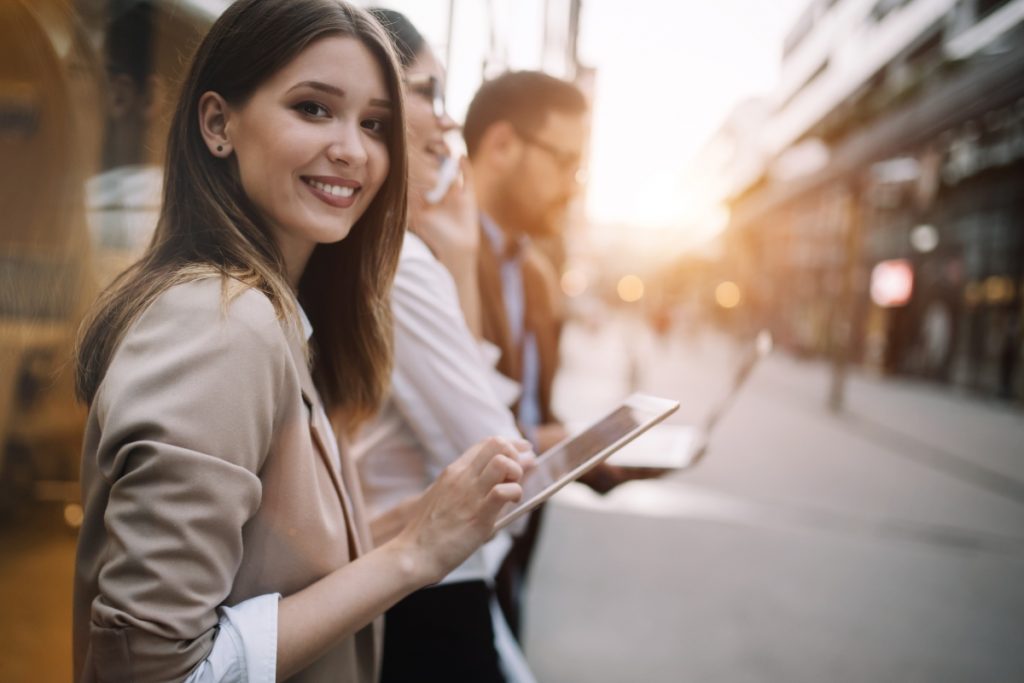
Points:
[(334, 90)]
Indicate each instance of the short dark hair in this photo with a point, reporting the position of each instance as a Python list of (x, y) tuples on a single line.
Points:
[(408, 41), (524, 99)]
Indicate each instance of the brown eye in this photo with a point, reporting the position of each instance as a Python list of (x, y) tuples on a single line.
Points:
[(313, 109), (376, 126)]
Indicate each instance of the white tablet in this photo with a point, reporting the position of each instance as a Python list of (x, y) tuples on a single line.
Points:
[(574, 456)]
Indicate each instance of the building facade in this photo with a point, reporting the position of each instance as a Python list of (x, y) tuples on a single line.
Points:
[(896, 137)]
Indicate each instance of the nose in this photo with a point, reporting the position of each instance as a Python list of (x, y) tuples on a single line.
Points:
[(348, 146), (446, 123)]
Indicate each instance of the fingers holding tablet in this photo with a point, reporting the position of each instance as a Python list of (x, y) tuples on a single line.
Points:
[(573, 457), (457, 513)]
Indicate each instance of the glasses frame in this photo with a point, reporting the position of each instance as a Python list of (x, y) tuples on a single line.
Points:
[(430, 87), (566, 161)]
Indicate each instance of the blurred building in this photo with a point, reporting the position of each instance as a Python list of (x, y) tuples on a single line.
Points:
[(86, 92), (86, 89), (895, 137)]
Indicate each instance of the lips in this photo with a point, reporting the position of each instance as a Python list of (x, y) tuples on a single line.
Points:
[(332, 190)]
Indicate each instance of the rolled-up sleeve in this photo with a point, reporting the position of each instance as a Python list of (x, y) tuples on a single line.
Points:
[(245, 650), (187, 411)]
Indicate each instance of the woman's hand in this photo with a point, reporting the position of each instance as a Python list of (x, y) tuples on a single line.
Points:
[(457, 513), (453, 518), (451, 228)]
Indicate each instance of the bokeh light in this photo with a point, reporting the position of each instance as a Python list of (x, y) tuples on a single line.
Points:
[(630, 288), (727, 294)]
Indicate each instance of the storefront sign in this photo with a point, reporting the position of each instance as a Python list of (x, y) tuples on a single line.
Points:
[(892, 283)]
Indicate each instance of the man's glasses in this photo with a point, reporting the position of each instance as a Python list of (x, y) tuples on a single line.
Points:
[(566, 161), (431, 88)]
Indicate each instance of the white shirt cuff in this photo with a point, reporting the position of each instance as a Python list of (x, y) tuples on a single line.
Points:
[(245, 649)]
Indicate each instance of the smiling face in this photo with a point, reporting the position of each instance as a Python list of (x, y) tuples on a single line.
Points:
[(310, 145), (424, 80)]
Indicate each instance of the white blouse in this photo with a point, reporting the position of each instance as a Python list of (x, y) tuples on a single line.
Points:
[(446, 396)]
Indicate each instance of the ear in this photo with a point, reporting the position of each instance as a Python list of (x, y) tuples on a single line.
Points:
[(214, 114), (502, 145)]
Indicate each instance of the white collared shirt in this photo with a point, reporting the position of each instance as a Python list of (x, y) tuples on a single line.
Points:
[(446, 396), (513, 294)]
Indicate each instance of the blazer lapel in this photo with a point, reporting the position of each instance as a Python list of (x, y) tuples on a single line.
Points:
[(320, 431), (494, 317), (543, 319)]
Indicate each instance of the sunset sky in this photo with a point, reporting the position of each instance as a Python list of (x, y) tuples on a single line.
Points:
[(668, 72)]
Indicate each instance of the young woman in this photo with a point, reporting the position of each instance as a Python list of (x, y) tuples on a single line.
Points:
[(443, 399), (211, 481)]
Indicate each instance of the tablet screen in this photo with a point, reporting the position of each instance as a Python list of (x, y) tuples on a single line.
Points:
[(574, 456)]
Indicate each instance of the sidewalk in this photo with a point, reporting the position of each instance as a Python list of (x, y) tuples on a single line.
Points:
[(885, 544)]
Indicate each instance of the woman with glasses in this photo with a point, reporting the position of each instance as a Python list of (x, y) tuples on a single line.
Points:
[(445, 392), (225, 537)]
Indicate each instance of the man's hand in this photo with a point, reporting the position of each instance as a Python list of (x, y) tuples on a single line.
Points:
[(604, 477)]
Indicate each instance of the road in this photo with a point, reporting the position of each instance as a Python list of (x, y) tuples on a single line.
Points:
[(886, 544), (883, 545)]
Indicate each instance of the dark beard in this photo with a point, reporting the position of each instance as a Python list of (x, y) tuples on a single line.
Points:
[(525, 217)]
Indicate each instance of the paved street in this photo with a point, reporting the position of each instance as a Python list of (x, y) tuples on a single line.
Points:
[(883, 545)]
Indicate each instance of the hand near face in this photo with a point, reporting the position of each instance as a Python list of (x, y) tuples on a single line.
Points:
[(450, 227), (457, 513)]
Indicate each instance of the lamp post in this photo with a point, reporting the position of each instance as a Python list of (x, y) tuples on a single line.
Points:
[(842, 330)]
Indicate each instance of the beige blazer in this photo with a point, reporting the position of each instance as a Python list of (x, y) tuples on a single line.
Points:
[(208, 479), (542, 310)]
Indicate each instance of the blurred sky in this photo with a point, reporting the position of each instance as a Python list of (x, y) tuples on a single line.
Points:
[(668, 72)]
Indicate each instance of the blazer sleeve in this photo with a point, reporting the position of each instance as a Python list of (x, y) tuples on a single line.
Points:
[(187, 409)]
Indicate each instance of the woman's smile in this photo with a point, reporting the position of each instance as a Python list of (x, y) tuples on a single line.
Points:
[(310, 145), (332, 190)]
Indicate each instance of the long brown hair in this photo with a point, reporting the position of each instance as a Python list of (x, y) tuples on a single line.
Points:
[(207, 224)]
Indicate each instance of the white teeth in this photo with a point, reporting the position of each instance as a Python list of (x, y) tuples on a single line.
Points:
[(336, 190)]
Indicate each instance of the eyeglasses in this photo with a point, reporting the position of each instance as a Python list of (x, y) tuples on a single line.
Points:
[(566, 161), (431, 88)]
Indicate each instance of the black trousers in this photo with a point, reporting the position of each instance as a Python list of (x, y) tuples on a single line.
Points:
[(442, 633), (512, 574)]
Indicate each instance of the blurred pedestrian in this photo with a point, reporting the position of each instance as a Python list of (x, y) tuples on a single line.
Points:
[(211, 482)]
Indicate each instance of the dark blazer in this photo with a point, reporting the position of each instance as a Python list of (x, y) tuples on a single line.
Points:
[(208, 478), (543, 316)]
